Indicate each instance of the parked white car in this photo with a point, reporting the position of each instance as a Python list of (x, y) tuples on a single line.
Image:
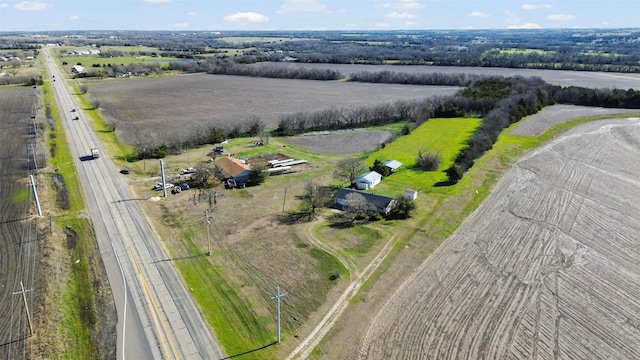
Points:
[(158, 186), (187, 171)]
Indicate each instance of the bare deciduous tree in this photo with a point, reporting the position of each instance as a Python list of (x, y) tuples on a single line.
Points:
[(315, 196), (348, 169)]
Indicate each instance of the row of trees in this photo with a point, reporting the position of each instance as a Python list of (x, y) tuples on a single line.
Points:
[(149, 144), (276, 72)]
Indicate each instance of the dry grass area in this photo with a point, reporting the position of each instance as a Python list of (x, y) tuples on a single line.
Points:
[(174, 107), (546, 267), (341, 142)]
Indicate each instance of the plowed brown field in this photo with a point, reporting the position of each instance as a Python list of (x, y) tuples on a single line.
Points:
[(547, 267), (17, 234), (174, 107)]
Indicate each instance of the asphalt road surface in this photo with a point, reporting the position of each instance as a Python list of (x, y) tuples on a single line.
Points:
[(157, 317)]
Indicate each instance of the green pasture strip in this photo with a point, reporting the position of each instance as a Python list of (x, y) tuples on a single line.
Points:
[(78, 322), (88, 60), (21, 196), (76, 305), (129, 49), (366, 236), (119, 151), (444, 136), (236, 326)]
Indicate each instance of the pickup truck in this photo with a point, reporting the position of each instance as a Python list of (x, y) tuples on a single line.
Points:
[(95, 153)]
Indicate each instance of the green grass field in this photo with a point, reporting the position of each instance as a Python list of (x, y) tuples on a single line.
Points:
[(131, 57), (442, 136)]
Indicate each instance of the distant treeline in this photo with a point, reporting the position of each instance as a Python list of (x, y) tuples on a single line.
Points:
[(276, 72)]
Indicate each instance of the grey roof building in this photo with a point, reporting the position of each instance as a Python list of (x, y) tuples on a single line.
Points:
[(382, 203)]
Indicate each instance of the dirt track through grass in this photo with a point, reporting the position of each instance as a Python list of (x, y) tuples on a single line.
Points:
[(545, 268)]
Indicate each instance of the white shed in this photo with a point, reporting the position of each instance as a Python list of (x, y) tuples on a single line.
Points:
[(410, 194), (368, 180)]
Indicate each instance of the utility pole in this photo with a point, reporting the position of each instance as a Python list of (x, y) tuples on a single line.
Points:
[(277, 297), (207, 217), (164, 185), (32, 182), (26, 306), (284, 200)]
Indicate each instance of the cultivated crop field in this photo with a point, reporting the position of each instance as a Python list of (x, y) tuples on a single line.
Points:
[(174, 107), (556, 77), (18, 252), (545, 268), (543, 120)]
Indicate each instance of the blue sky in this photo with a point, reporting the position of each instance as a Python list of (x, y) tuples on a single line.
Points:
[(44, 15)]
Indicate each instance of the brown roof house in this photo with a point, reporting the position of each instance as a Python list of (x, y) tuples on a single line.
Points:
[(233, 168)]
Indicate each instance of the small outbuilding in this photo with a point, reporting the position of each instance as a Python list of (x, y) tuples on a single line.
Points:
[(368, 180), (411, 194), (393, 165)]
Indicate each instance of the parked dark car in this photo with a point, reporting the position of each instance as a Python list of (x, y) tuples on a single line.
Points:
[(183, 186), (125, 171)]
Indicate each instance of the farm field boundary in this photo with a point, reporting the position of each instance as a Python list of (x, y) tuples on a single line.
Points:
[(536, 248)]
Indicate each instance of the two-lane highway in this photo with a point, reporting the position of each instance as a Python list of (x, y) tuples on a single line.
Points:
[(157, 317)]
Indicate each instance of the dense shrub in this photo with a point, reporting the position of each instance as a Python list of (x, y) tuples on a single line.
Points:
[(427, 162)]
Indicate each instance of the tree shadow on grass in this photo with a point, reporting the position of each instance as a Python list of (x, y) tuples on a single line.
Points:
[(444, 183), (250, 351)]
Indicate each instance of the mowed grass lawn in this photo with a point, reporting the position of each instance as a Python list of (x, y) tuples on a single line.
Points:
[(445, 137)]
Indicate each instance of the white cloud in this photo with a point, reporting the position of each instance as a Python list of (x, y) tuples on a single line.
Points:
[(31, 5), (246, 16), (74, 17), (302, 5), (181, 25), (192, 13), (158, 1), (4, 5), (525, 26), (404, 15), (478, 14), (560, 17), (535, 7), (403, 4)]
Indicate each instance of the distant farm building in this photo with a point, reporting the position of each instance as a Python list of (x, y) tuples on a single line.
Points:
[(368, 180), (233, 168), (382, 203), (77, 69), (393, 165)]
